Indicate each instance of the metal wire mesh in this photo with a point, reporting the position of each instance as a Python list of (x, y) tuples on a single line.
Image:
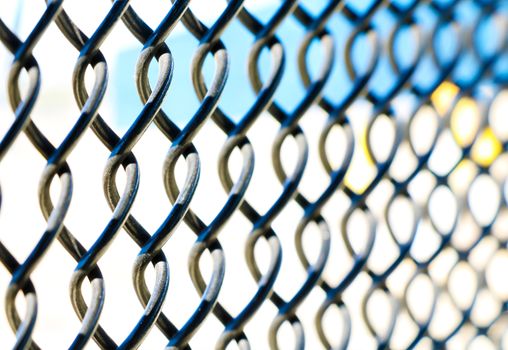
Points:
[(421, 177)]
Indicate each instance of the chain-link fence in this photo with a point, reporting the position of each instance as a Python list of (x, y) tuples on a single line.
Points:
[(333, 174)]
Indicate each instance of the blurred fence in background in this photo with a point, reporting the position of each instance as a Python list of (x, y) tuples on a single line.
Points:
[(346, 187)]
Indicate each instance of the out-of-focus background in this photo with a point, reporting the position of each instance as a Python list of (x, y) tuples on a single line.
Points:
[(21, 221)]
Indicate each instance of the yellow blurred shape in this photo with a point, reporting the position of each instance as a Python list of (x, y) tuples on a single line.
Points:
[(462, 176), (486, 148), (465, 121), (365, 147), (359, 176), (362, 169), (443, 96)]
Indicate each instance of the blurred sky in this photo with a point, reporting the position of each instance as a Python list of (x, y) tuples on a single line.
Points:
[(238, 95)]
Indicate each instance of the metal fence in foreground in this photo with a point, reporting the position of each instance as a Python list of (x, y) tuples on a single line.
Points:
[(400, 242)]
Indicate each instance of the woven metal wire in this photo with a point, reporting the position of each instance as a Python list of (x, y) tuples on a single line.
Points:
[(406, 150)]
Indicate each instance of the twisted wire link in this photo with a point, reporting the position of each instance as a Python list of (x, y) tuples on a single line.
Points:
[(89, 56), (446, 237), (237, 139), (403, 245), (486, 229), (337, 116), (149, 254), (23, 59), (358, 200), (209, 42), (316, 32), (478, 94), (467, 90), (153, 48), (121, 155), (206, 234), (445, 19), (20, 272), (262, 224)]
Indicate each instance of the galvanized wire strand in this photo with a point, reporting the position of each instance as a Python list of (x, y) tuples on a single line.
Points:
[(90, 315), (383, 108), (21, 272), (181, 205), (129, 163), (209, 40), (315, 31), (358, 200), (88, 112), (237, 139), (144, 34), (23, 111), (401, 186), (153, 303), (107, 136), (262, 223), (468, 89), (337, 117)]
